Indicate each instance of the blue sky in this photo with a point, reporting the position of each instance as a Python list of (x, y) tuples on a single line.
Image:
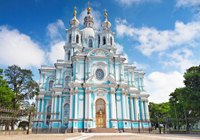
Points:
[(162, 37)]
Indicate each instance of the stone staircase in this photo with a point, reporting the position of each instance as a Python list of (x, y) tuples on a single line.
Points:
[(103, 130)]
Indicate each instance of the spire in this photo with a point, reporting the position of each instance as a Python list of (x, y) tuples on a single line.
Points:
[(106, 24), (88, 20), (105, 15), (88, 9), (74, 22)]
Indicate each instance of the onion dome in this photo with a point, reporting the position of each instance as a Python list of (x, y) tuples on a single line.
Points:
[(74, 22), (106, 24), (88, 20)]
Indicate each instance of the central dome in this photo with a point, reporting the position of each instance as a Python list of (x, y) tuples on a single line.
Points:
[(88, 32)]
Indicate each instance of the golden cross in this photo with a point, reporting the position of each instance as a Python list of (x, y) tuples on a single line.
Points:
[(88, 4), (105, 10), (75, 8)]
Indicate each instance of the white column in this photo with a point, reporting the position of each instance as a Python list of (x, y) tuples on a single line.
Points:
[(44, 81), (42, 109), (113, 109), (77, 69), (86, 72), (86, 105), (71, 105), (142, 108), (121, 67), (60, 97), (129, 78), (139, 83), (89, 67), (127, 106), (76, 100), (133, 79), (123, 104), (61, 77), (55, 107), (57, 74), (52, 105), (132, 111), (147, 110), (136, 108), (38, 107), (89, 105)]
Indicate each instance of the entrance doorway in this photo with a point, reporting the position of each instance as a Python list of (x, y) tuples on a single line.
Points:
[(100, 113)]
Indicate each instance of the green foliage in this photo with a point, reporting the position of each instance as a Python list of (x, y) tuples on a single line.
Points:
[(21, 83), (6, 94), (186, 100), (158, 111)]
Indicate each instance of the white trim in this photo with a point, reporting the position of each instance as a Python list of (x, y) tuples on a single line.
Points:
[(55, 106)]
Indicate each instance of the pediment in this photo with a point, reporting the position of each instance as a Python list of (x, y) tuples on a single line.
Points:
[(100, 53)]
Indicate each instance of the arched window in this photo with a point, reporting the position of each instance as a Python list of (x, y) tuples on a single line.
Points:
[(98, 40), (67, 81), (48, 116), (77, 38), (104, 40), (50, 85), (110, 40), (66, 114), (70, 38), (90, 43), (69, 55)]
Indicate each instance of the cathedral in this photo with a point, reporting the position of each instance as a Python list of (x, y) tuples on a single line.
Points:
[(92, 87)]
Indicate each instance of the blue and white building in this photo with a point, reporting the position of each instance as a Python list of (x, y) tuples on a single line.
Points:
[(93, 86)]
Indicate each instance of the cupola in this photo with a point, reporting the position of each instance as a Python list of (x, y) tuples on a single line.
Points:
[(88, 20), (106, 24), (74, 22)]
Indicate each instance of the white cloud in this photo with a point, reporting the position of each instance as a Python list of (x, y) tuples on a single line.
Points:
[(56, 52), (180, 58), (17, 48), (187, 3), (153, 40), (160, 85), (56, 45), (141, 65), (96, 15), (53, 30), (129, 2), (193, 4)]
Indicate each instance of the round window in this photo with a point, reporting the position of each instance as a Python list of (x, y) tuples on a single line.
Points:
[(99, 74)]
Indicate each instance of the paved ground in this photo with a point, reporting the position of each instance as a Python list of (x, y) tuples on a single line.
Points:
[(40, 136), (102, 136)]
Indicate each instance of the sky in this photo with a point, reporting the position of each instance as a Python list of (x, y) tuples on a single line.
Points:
[(162, 37)]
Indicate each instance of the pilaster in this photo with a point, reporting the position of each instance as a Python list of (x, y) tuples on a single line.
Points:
[(136, 108)]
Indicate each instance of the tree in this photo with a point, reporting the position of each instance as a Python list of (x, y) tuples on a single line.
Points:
[(186, 99), (6, 94), (22, 84), (158, 111)]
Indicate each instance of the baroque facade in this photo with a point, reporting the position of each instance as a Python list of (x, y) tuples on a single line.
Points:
[(93, 86)]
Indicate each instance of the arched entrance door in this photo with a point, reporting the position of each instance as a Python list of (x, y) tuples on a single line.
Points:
[(100, 113)]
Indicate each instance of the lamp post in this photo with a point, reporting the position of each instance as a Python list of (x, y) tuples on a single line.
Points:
[(175, 113)]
